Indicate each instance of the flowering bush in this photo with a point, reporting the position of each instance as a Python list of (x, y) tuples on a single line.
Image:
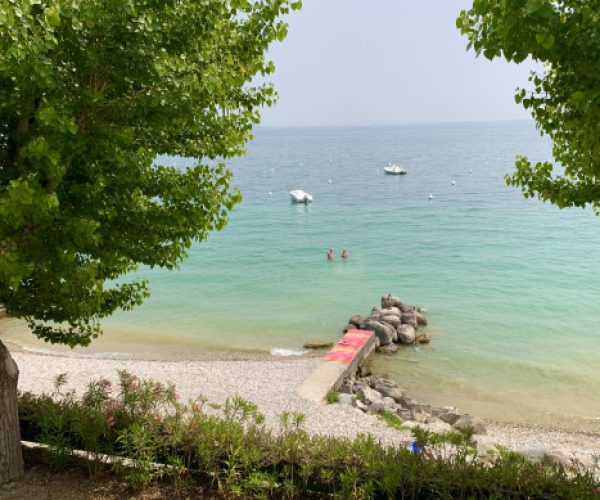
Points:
[(161, 437)]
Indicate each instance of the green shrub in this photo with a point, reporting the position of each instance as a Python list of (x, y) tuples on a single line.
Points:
[(235, 454)]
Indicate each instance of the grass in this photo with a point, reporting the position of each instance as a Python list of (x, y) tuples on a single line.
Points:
[(392, 420), (333, 397)]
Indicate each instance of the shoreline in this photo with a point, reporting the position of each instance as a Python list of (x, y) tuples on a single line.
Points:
[(270, 382), (209, 355)]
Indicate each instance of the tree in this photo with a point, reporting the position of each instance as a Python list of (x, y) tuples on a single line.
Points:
[(91, 92), (565, 98)]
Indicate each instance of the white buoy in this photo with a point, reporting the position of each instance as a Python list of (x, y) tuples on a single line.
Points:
[(430, 197), (454, 183), (270, 194), (470, 170), (329, 181)]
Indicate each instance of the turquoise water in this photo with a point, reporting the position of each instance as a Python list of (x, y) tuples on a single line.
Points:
[(510, 285)]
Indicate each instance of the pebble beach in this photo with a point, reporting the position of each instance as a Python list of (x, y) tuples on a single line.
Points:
[(271, 383)]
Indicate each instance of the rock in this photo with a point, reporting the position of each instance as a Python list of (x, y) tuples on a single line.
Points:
[(423, 338), (349, 326), (387, 401), (390, 392), (356, 320), (405, 334), (406, 308), (388, 349), (470, 422), (408, 402), (376, 407), (391, 311), (391, 320), (383, 382), (385, 333), (360, 405), (348, 386), (364, 370), (558, 457), (421, 319), (404, 414), (376, 312), (318, 344), (449, 416), (409, 319), (345, 399), (368, 395), (390, 301)]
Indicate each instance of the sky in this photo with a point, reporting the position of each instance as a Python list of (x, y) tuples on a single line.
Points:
[(379, 62)]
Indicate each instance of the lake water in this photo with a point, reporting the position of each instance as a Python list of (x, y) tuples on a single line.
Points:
[(511, 286)]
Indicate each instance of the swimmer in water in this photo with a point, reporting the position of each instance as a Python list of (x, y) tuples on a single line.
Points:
[(330, 254), (344, 254)]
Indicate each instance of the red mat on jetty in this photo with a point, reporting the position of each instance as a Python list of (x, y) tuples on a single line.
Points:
[(345, 350)]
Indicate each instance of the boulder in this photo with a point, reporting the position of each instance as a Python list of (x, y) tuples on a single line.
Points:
[(390, 301), (345, 399), (391, 320), (405, 334), (347, 387), (368, 395), (409, 319), (408, 402), (448, 416), (421, 319), (380, 381), (360, 405), (349, 326), (391, 311), (356, 320), (424, 338), (476, 424), (406, 308), (376, 312), (558, 457), (390, 392), (377, 407), (364, 370), (318, 344), (385, 333), (388, 349)]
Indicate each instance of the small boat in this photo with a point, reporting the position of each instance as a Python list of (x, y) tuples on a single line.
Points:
[(299, 196), (394, 170)]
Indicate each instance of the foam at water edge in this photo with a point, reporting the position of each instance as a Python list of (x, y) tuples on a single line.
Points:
[(277, 351)]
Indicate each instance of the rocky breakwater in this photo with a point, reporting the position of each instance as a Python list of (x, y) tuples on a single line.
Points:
[(393, 323), (396, 323), (377, 395)]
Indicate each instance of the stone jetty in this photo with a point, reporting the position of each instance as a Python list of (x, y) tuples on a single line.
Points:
[(394, 323)]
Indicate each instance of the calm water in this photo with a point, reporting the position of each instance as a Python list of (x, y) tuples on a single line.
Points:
[(510, 285)]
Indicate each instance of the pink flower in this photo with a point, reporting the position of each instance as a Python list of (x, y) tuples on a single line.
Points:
[(197, 408), (177, 396)]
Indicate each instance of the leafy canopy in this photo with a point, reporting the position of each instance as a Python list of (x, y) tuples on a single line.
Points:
[(565, 100), (91, 91)]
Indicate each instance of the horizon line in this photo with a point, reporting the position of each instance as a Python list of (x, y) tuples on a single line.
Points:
[(404, 124)]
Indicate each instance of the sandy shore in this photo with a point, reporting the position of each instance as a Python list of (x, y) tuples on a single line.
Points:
[(271, 384)]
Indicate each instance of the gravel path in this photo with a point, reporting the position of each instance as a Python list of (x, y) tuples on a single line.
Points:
[(271, 385)]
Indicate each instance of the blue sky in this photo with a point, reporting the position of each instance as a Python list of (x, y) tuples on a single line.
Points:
[(366, 62)]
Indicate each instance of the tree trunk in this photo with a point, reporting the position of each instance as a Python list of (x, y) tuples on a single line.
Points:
[(11, 458)]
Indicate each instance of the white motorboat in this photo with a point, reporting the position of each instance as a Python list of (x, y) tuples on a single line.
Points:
[(299, 196), (394, 170)]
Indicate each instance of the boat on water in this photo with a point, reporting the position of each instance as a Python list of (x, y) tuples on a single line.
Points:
[(300, 196), (394, 170)]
